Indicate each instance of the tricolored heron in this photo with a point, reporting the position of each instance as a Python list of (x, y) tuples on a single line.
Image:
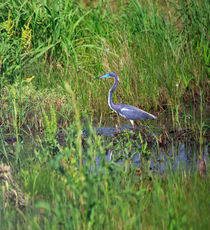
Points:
[(127, 111)]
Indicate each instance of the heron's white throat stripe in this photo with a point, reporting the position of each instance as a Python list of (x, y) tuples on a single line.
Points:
[(109, 102)]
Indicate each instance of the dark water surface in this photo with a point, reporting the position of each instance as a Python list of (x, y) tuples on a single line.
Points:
[(176, 154)]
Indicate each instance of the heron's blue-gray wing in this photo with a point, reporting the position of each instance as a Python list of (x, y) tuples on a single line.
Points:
[(133, 113)]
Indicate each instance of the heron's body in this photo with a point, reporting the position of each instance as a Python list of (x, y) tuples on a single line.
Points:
[(127, 111)]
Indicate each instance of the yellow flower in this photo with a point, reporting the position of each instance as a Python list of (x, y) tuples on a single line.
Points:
[(26, 35), (29, 79), (9, 25)]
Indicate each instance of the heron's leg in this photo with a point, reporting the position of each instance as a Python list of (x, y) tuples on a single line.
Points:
[(117, 128), (132, 122)]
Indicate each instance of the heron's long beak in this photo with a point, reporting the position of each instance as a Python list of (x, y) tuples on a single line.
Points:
[(104, 76)]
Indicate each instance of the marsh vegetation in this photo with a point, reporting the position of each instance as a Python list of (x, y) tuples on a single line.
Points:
[(52, 157)]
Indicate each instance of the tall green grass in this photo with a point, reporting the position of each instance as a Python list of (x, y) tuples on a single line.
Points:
[(159, 51)]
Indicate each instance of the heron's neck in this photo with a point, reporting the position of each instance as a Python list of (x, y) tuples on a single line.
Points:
[(111, 104)]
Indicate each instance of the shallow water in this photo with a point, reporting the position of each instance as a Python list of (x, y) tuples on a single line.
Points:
[(177, 154)]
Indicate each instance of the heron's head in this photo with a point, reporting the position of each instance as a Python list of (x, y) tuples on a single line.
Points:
[(110, 75)]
